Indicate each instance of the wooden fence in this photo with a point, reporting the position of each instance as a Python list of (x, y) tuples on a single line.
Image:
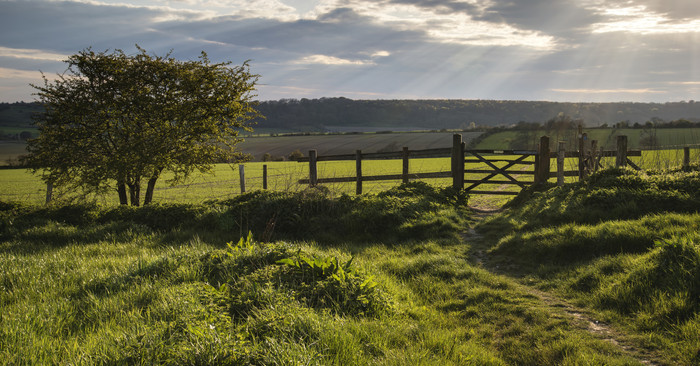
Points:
[(588, 155), (589, 158), (405, 175)]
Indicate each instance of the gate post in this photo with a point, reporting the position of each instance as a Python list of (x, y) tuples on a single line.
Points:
[(457, 162), (542, 170), (561, 156), (621, 160), (582, 137)]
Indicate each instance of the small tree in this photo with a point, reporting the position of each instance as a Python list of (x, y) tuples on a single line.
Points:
[(114, 120), (295, 155)]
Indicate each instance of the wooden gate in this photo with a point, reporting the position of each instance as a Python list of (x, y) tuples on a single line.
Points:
[(502, 168), (500, 164)]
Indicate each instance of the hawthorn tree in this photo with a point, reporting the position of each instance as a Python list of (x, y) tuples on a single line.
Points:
[(116, 121)]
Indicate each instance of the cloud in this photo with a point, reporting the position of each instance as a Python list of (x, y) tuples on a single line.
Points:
[(610, 91), (8, 73), (31, 54), (329, 60), (639, 20), (676, 10)]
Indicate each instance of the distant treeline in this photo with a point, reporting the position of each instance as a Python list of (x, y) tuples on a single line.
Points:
[(320, 114)]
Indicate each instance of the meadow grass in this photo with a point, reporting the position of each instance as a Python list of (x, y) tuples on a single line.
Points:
[(174, 284)]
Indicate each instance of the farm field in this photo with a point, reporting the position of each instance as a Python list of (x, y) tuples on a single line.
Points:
[(10, 151), (667, 138), (408, 276), (282, 146)]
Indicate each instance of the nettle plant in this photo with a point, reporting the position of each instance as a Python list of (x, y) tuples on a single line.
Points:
[(317, 282)]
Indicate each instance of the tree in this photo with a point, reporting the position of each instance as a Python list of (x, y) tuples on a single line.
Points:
[(113, 121)]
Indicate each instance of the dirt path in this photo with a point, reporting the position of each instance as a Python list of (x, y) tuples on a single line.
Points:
[(560, 308)]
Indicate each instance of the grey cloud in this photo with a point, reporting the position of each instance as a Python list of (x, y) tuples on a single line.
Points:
[(441, 6), (559, 18), (564, 18), (341, 33), (65, 26)]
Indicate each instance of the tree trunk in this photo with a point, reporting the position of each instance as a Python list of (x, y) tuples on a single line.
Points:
[(121, 190), (135, 193), (151, 186)]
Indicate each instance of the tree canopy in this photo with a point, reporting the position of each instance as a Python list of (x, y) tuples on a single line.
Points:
[(114, 121)]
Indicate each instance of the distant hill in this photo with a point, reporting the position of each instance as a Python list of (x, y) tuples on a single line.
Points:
[(342, 113), (319, 114)]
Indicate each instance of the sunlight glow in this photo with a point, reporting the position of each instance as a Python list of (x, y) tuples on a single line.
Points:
[(6, 73), (640, 20), (31, 54), (609, 91), (329, 60), (442, 26)]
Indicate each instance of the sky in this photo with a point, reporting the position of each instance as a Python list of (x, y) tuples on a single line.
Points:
[(553, 50)]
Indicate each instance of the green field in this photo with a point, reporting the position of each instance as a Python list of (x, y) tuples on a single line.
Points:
[(20, 186)]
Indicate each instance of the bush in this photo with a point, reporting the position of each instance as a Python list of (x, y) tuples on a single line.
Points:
[(295, 155)]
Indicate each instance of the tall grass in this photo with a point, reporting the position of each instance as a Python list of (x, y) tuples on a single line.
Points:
[(178, 284)]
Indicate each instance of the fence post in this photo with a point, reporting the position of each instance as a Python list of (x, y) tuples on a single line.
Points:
[(686, 157), (404, 174), (621, 158), (592, 156), (264, 176), (49, 192), (358, 173), (561, 156), (241, 174), (542, 173), (313, 173), (457, 162)]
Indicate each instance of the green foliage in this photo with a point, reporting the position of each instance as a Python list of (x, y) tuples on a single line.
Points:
[(337, 286), (124, 118)]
